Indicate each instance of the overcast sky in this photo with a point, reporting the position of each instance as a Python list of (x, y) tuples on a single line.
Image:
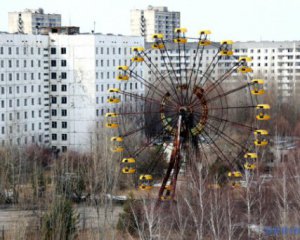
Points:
[(227, 19)]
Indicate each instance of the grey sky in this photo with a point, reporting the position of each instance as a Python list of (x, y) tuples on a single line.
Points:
[(227, 19)]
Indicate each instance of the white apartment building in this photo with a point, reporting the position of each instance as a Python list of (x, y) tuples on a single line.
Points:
[(54, 87), (24, 87), (154, 20), (82, 68), (276, 62), (30, 21)]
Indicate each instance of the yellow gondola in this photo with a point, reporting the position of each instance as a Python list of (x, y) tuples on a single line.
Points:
[(180, 40), (118, 149), (250, 155), (262, 115), (226, 42), (128, 160), (138, 49), (108, 115), (245, 69), (146, 177), (145, 182), (116, 139), (180, 30), (263, 106), (111, 125), (236, 174), (113, 90), (245, 59), (257, 87), (205, 32), (157, 45), (158, 36), (137, 59), (204, 42), (226, 52), (123, 77), (124, 68), (128, 170), (113, 100), (261, 139), (249, 166)]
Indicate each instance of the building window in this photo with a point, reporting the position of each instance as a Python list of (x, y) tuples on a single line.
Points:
[(53, 63), (54, 136), (64, 124), (64, 137), (53, 88), (54, 124), (64, 148), (63, 50), (63, 88), (53, 75), (63, 75), (54, 112), (64, 100), (63, 63), (53, 50), (64, 112), (53, 100)]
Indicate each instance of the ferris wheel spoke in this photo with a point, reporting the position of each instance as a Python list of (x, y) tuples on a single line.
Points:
[(161, 76), (136, 113), (228, 92), (219, 150), (126, 134), (180, 74), (186, 73), (146, 83), (203, 150), (206, 76), (217, 83), (154, 163), (198, 67), (209, 66), (136, 96), (222, 78), (233, 123), (236, 107), (140, 150), (170, 71), (225, 136)]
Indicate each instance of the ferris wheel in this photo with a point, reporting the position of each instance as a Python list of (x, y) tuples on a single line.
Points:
[(200, 106)]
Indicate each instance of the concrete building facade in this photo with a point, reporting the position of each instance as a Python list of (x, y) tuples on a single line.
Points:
[(82, 68), (30, 21), (24, 90), (54, 87), (278, 63), (154, 20)]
